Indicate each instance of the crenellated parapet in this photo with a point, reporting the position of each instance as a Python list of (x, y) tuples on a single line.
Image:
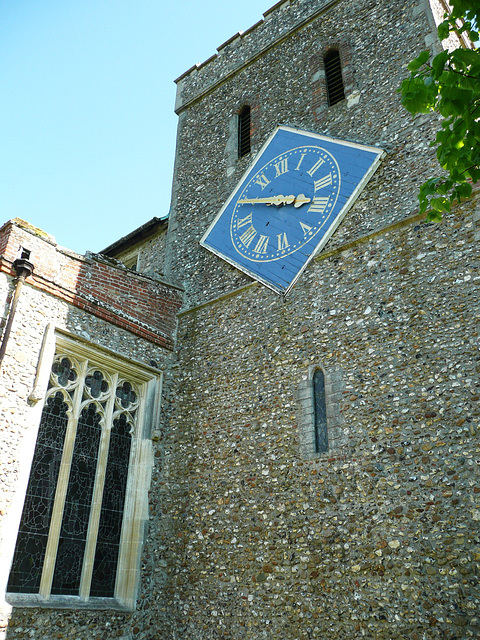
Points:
[(245, 47)]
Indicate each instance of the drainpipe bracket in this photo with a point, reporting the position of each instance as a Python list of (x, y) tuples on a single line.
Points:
[(23, 268)]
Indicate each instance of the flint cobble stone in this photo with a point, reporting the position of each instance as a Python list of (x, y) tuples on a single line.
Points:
[(378, 539)]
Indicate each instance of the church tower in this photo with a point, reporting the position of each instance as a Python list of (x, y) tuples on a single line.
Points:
[(315, 462), (323, 442)]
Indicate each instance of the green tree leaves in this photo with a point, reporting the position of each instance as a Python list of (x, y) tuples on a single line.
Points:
[(449, 84)]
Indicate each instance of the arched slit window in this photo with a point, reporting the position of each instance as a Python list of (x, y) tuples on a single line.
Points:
[(333, 75), (244, 132), (320, 412)]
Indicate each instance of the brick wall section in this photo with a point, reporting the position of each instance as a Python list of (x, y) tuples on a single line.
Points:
[(137, 303)]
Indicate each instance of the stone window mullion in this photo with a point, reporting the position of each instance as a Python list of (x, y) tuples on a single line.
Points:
[(92, 534), (131, 532)]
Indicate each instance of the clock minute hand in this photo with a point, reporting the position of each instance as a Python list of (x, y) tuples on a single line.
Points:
[(277, 200)]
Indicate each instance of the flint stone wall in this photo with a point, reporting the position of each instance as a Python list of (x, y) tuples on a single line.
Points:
[(379, 537)]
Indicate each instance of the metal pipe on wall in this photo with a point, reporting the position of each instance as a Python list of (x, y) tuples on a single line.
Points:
[(23, 269)]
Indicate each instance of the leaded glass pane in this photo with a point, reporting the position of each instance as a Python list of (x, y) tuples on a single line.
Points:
[(126, 395), (320, 406), (111, 515), (27, 564), (36, 515), (96, 384), (104, 571), (64, 372), (68, 566), (73, 533)]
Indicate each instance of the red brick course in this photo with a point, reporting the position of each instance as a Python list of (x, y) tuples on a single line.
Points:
[(132, 301)]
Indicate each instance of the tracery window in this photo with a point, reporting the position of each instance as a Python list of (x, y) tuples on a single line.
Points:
[(76, 525)]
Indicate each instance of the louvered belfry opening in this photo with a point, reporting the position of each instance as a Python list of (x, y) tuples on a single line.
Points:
[(244, 132), (333, 74)]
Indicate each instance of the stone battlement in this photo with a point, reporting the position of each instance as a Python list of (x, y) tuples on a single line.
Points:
[(243, 48)]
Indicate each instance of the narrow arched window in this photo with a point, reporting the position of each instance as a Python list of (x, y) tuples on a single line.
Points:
[(320, 412), (333, 76), (244, 131)]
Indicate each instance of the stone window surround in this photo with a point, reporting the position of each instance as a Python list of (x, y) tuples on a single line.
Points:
[(136, 504), (334, 387), (335, 77)]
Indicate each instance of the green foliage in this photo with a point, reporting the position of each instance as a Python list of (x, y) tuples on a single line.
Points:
[(449, 84)]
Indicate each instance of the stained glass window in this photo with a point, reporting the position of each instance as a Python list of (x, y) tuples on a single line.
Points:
[(37, 512), (73, 514)]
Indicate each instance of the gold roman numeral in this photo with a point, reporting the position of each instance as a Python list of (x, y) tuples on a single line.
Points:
[(262, 180), (315, 167), (305, 227), (261, 246), (241, 222), (248, 236), (318, 205), (323, 182), (297, 168), (281, 167), (282, 241)]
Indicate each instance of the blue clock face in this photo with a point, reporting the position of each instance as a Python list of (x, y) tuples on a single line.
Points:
[(288, 204), (271, 218)]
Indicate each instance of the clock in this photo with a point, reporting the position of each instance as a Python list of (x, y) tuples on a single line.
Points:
[(289, 202)]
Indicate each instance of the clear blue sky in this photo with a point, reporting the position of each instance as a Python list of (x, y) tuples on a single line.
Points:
[(87, 128)]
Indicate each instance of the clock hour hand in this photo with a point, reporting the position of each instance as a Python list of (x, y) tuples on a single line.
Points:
[(278, 201), (301, 199)]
